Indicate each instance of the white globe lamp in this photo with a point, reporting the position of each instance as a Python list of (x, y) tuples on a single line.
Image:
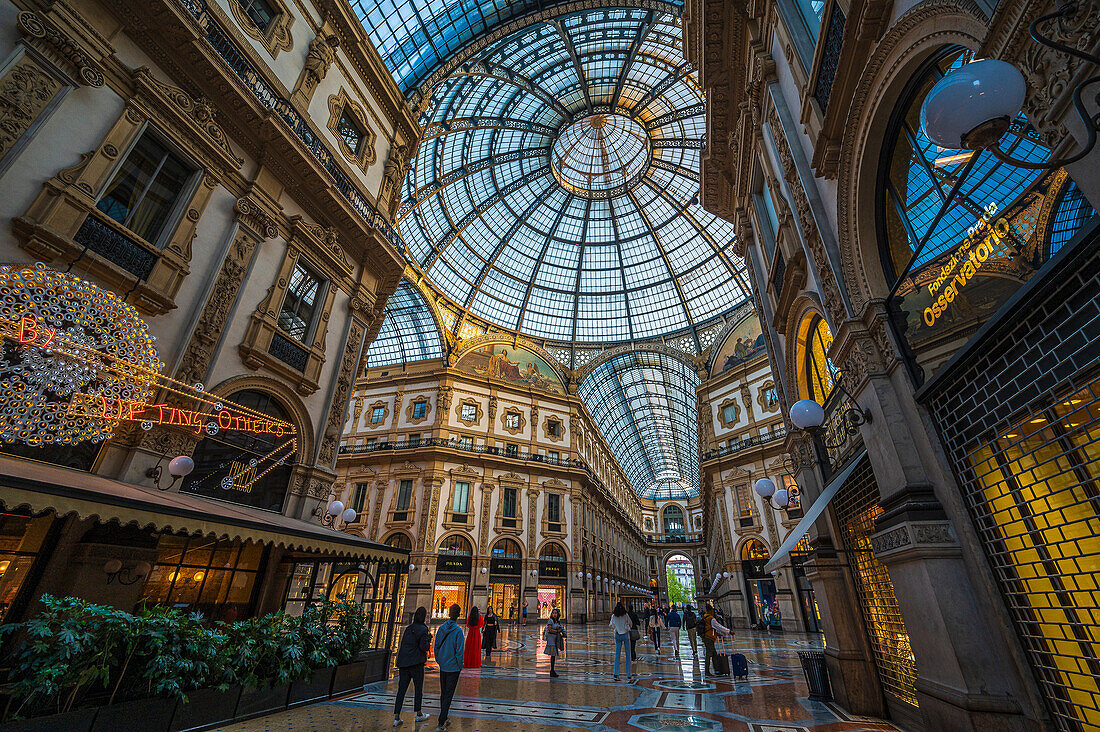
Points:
[(335, 508), (980, 97), (349, 515), (411, 566), (180, 466), (806, 414), (782, 498), (726, 575), (765, 488)]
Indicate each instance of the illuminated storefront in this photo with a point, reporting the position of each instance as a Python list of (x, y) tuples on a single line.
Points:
[(551, 588), (763, 603), (452, 576), (505, 572)]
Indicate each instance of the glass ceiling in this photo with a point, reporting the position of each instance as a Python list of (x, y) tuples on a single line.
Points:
[(408, 331), (644, 404), (554, 190)]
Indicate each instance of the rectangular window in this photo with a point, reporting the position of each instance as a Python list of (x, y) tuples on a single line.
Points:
[(359, 497), (414, 440), (729, 414), (351, 131), (553, 428), (462, 497), (469, 412), (404, 495), (303, 295), (511, 421), (466, 443), (372, 442), (145, 189), (259, 12), (511, 450), (553, 457), (509, 502), (553, 508), (811, 11), (745, 503), (419, 409), (377, 415)]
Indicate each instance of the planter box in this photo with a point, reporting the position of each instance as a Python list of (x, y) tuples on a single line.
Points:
[(153, 713), (206, 708), (349, 676), (78, 720), (263, 700), (377, 664), (312, 688)]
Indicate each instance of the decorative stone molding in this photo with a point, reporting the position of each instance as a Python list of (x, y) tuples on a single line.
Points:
[(546, 427), (319, 59), (409, 409), (326, 454), (25, 92), (340, 104), (254, 216), (59, 49), (722, 412), (477, 416), (277, 36), (768, 405), (522, 423), (385, 406), (492, 407), (325, 243), (914, 536), (397, 165)]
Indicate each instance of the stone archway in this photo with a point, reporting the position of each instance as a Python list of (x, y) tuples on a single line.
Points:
[(679, 574)]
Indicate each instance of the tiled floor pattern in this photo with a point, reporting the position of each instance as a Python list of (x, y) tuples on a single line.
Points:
[(515, 692)]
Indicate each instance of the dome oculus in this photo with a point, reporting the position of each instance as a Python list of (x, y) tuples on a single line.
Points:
[(599, 155)]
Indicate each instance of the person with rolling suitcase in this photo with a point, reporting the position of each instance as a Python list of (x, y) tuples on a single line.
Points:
[(739, 666)]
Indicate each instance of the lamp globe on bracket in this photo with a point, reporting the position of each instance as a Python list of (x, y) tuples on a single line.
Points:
[(765, 488), (806, 414), (972, 107)]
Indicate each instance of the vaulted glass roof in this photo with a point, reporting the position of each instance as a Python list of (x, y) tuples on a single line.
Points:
[(554, 190), (408, 331), (644, 404)]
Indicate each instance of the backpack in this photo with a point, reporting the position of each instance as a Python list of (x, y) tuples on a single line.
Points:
[(690, 620)]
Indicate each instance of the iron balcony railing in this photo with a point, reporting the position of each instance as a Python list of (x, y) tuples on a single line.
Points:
[(675, 539), (777, 433)]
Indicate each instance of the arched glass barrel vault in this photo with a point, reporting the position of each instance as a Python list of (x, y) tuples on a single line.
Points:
[(408, 333), (554, 191), (644, 404)]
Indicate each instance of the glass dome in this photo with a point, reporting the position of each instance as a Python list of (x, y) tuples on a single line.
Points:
[(554, 192)]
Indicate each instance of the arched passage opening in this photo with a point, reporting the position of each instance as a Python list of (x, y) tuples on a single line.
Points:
[(680, 579)]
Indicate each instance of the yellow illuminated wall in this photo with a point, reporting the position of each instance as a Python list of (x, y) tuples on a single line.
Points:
[(1038, 506)]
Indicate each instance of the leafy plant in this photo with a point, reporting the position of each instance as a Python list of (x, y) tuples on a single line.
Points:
[(179, 652), (351, 633), (316, 636), (268, 648)]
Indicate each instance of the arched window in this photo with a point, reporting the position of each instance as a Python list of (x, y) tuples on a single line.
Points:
[(673, 518), (506, 549), (754, 549), (400, 541), (552, 553), (960, 231), (817, 371), (457, 545), (231, 465)]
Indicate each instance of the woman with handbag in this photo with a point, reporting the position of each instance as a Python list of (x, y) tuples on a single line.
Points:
[(635, 635), (620, 621), (489, 635), (554, 635)]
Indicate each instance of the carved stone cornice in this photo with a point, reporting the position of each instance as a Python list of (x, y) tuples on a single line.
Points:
[(59, 49), (253, 215), (326, 453)]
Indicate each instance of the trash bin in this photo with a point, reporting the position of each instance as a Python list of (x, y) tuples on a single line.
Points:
[(817, 675)]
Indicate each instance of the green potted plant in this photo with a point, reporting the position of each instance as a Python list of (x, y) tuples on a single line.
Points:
[(267, 653), (317, 664), (349, 640)]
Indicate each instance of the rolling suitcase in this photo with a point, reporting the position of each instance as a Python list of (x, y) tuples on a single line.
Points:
[(721, 665), (739, 666)]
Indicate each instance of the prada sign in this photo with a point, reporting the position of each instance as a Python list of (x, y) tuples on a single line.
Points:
[(551, 569), (453, 564), (507, 565)]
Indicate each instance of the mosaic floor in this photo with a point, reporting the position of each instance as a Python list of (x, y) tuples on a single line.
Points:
[(515, 692)]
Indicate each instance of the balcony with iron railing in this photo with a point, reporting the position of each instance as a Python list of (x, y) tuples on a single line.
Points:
[(777, 433), (674, 539)]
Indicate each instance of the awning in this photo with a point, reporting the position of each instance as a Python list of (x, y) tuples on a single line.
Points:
[(39, 488), (780, 557)]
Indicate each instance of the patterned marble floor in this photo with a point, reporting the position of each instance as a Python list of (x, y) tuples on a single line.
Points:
[(515, 692)]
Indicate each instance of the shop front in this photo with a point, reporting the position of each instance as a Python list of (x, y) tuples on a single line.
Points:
[(505, 572), (763, 603), (452, 577), (551, 587)]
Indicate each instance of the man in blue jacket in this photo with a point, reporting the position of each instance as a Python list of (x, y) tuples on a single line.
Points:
[(672, 620), (449, 646)]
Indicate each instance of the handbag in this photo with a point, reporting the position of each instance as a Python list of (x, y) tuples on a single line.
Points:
[(635, 634)]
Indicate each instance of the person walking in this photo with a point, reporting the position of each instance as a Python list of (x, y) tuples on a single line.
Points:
[(635, 635), (691, 622), (525, 612), (474, 624), (620, 621), (412, 654), (448, 655), (673, 622), (655, 624), (712, 629), (554, 635), (489, 635)]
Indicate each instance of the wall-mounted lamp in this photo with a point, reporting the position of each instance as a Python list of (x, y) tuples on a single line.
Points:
[(334, 512), (116, 571), (178, 467)]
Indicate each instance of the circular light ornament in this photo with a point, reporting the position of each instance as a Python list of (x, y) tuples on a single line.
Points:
[(782, 498), (806, 414), (112, 566), (764, 488), (411, 566), (600, 155), (335, 508), (977, 94), (76, 350), (349, 515), (181, 466)]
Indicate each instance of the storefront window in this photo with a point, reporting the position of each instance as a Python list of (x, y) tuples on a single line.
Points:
[(205, 575), (960, 230), (236, 467), (20, 539), (818, 372)]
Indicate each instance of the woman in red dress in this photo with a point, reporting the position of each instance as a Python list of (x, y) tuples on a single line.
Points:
[(471, 657)]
